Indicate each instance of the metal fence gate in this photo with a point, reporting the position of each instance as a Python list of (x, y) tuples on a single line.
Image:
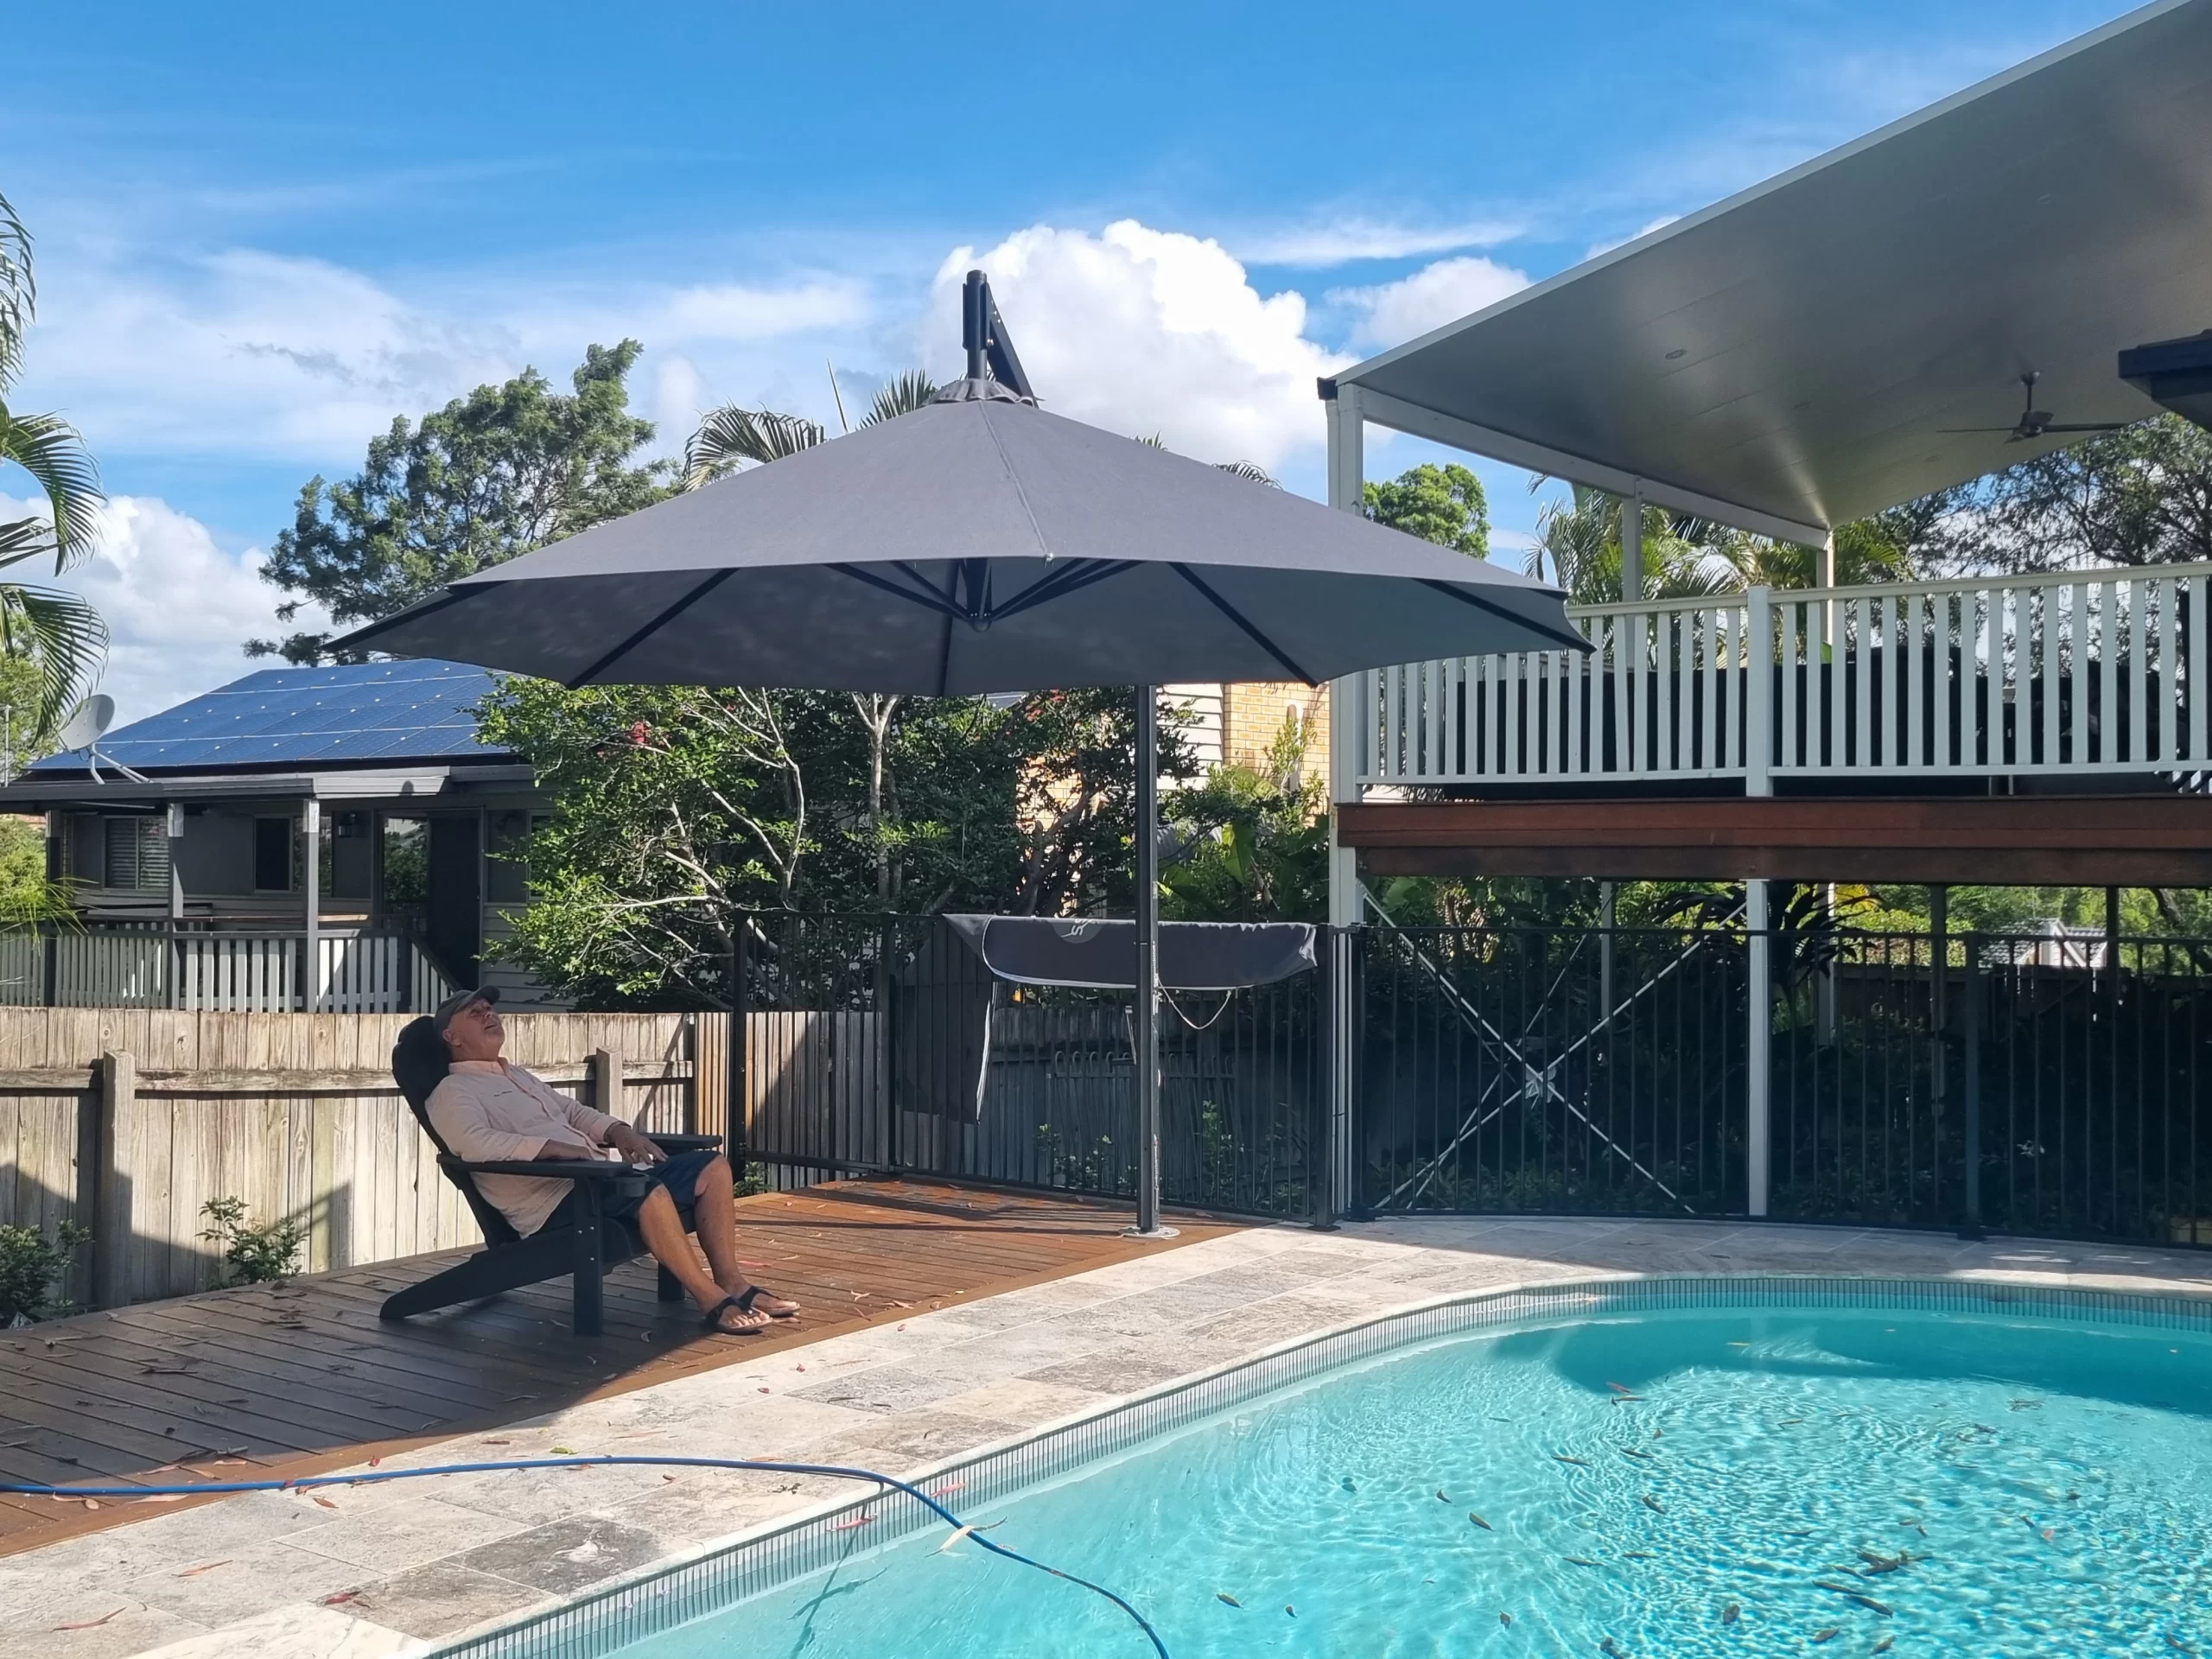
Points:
[(2023, 1085), (847, 1068)]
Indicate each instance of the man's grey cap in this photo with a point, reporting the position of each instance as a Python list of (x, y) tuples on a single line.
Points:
[(460, 999)]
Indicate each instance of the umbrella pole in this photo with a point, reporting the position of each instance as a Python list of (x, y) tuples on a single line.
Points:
[(1147, 966)]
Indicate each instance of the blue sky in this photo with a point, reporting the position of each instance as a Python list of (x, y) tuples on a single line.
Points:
[(264, 230)]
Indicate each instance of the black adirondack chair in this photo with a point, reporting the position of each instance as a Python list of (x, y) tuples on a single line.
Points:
[(587, 1252)]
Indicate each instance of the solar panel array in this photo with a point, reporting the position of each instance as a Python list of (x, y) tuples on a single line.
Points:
[(309, 716)]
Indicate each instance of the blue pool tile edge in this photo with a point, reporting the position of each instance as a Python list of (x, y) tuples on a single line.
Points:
[(669, 1594)]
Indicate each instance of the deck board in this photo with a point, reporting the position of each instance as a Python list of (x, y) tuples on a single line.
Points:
[(301, 1378)]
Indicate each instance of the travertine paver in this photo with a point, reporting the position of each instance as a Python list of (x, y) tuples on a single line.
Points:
[(419, 1564)]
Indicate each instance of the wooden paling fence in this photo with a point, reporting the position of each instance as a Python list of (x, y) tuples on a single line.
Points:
[(128, 1120)]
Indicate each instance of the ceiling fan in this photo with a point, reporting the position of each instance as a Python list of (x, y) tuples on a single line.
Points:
[(2038, 422)]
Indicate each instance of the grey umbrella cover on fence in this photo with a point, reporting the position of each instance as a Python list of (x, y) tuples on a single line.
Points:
[(978, 544)]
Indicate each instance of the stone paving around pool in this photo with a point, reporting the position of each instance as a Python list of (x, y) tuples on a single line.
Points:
[(403, 1568)]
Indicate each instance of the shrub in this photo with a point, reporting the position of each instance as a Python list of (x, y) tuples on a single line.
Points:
[(31, 1265), (253, 1254)]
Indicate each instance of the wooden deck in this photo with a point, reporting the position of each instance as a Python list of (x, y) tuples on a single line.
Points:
[(299, 1378)]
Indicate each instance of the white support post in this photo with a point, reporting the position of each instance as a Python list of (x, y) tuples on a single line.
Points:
[(1632, 544), (176, 827), (311, 968), (1351, 711), (1757, 1048)]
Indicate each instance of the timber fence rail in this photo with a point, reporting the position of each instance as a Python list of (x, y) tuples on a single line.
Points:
[(128, 1121)]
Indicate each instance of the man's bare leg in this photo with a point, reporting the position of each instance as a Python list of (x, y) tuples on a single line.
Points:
[(662, 1228), (714, 1214)]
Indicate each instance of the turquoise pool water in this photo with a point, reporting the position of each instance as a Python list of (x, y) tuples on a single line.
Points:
[(1740, 1482)]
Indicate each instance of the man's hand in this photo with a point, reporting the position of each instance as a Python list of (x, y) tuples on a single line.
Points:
[(633, 1146)]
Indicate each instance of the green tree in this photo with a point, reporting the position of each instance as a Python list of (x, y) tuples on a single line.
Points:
[(675, 807), (2141, 495), (1444, 504), (1255, 842), (494, 474), (57, 631)]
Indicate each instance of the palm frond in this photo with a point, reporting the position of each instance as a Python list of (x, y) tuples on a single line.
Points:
[(47, 447), (63, 634), (24, 539), (910, 391), (1251, 470), (731, 437), (18, 293)]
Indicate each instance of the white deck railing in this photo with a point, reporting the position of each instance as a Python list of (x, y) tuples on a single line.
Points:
[(2067, 672)]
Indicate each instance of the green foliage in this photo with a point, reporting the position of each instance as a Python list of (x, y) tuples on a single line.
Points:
[(2142, 495), (676, 806), (264, 1253), (499, 472), (1444, 504), (31, 1265), (27, 896), (1257, 843)]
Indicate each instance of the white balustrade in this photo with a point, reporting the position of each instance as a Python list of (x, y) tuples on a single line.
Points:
[(2064, 672)]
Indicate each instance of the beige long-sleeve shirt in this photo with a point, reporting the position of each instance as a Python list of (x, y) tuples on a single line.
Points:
[(490, 1111)]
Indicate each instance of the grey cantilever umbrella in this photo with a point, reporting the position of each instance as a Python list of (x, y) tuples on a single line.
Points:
[(981, 544)]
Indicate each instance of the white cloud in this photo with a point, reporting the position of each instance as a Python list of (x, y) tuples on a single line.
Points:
[(1390, 313), (1342, 241), (178, 607), (250, 354), (1144, 331)]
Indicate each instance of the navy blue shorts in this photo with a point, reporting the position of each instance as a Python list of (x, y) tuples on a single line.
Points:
[(679, 1174)]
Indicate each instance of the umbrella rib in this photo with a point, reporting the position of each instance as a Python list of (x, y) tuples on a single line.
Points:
[(1066, 580), (928, 598), (653, 627), (1574, 641), (1239, 619)]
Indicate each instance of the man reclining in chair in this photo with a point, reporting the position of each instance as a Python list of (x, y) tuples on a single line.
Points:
[(487, 1110)]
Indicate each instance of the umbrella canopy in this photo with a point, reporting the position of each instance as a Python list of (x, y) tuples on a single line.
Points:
[(978, 544)]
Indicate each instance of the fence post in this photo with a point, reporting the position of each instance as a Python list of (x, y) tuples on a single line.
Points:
[(605, 1070), (109, 1216), (1970, 1037), (1759, 1038), (737, 1102)]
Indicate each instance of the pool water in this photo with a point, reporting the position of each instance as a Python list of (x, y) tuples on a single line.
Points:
[(1742, 1482)]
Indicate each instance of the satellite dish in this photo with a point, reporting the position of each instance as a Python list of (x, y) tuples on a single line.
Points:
[(84, 727)]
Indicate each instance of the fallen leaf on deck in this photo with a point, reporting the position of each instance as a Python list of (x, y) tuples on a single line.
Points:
[(324, 1502), (92, 1623), (562, 1452), (342, 1595), (205, 1566)]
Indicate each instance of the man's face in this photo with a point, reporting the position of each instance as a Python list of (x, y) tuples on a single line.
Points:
[(474, 1032)]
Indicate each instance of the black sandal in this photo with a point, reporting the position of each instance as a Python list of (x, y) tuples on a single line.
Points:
[(743, 1304)]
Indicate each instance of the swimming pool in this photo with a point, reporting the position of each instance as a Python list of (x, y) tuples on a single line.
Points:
[(1666, 1467)]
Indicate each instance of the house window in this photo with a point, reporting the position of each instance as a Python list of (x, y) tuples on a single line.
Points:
[(272, 854), (507, 870), (135, 854)]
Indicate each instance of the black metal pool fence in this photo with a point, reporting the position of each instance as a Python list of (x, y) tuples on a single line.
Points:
[(2060, 1086)]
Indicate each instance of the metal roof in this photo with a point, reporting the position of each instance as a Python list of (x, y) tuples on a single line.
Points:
[(1788, 359), (355, 714)]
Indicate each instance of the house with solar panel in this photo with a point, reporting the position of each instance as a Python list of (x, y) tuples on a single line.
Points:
[(333, 840)]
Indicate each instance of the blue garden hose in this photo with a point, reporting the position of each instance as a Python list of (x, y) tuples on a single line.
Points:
[(307, 1483)]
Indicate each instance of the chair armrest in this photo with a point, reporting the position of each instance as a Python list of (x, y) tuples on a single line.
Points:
[(687, 1142), (558, 1169)]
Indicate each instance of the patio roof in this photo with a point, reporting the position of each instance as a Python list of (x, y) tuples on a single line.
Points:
[(1788, 359)]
